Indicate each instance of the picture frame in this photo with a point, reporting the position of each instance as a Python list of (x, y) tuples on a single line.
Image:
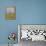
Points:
[(10, 13)]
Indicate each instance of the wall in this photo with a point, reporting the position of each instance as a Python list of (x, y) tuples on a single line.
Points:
[(31, 11), (27, 12), (6, 26)]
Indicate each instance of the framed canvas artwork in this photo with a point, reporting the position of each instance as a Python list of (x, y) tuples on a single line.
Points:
[(10, 13)]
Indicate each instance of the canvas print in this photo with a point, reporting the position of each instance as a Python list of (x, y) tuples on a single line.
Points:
[(10, 13)]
